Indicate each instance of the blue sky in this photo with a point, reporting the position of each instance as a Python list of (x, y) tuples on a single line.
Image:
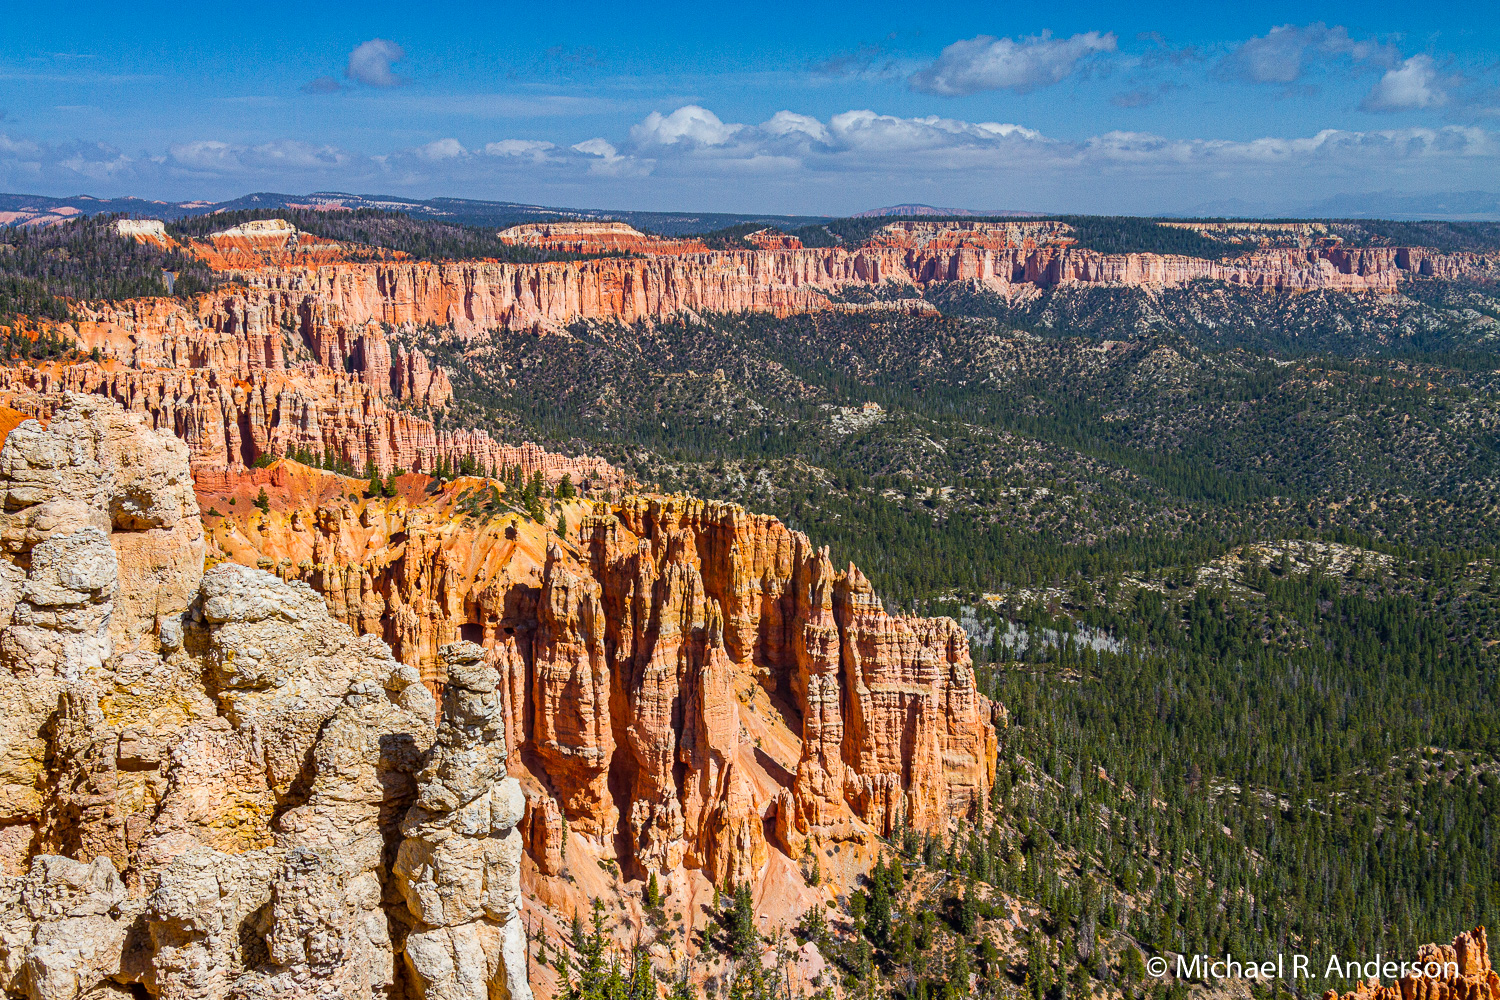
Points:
[(808, 108)]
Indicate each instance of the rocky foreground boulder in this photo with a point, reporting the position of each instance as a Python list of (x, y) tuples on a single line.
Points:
[(208, 786)]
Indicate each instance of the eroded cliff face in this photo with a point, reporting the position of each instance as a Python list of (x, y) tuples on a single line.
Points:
[(471, 297), (222, 790), (228, 422), (690, 685), (594, 238), (228, 790), (309, 348), (239, 333)]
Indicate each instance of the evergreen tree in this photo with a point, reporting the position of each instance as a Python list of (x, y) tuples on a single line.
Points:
[(683, 989), (653, 893), (968, 911), (586, 977), (960, 973), (744, 937), (642, 977)]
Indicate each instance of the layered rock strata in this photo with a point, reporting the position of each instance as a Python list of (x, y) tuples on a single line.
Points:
[(229, 423), (203, 776), (331, 307), (593, 238), (625, 650), (471, 297), (239, 333), (298, 353)]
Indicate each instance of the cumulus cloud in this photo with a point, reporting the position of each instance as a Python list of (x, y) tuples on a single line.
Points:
[(284, 155), (535, 150), (442, 149), (1020, 65), (1413, 84), (1283, 54), (606, 160), (597, 147), (370, 63), (689, 124), (865, 130), (789, 124), (693, 142), (863, 141), (858, 154)]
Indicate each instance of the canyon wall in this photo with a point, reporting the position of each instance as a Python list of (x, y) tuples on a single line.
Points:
[(309, 351), (204, 778), (594, 238), (229, 422), (638, 650), (471, 297), (239, 333)]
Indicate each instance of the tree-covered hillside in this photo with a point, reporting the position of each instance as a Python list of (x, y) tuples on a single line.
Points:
[(1230, 560), (425, 239), (86, 258)]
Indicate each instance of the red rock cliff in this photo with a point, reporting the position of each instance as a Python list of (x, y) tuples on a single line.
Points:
[(230, 422), (641, 650)]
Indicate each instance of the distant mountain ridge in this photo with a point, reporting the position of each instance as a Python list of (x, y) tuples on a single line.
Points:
[(25, 209), (948, 213)]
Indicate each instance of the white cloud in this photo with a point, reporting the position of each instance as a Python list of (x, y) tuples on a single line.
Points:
[(18, 148), (1413, 84), (442, 149), (794, 161), (205, 154), (97, 162), (1282, 54), (863, 142), (887, 133), (534, 150), (689, 124), (597, 147), (786, 124), (370, 63), (606, 160), (1334, 146), (989, 63), (215, 157)]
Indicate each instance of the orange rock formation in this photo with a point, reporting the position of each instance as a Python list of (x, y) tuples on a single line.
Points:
[(229, 423), (474, 296), (639, 652)]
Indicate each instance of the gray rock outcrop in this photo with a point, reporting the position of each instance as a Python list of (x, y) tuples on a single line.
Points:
[(459, 866), (204, 777)]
